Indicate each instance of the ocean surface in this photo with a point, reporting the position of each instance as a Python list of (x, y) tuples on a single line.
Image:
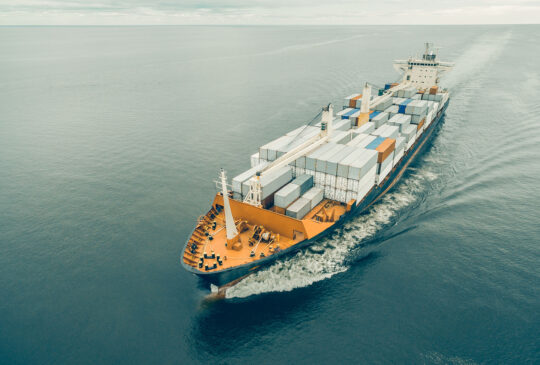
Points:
[(111, 138)]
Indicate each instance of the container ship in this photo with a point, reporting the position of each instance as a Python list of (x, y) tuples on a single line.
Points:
[(311, 180)]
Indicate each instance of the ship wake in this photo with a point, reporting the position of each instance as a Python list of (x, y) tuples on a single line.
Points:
[(335, 254), (474, 60)]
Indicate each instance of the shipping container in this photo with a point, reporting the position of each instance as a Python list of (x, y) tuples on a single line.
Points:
[(271, 182), (286, 195), (308, 162), (344, 164), (332, 162), (320, 163), (385, 149), (360, 166), (305, 182), (254, 159), (299, 208), (315, 196), (248, 174)]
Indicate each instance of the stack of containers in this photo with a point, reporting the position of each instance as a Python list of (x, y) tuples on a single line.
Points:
[(366, 128), (357, 139), (387, 131), (340, 137), (351, 100), (356, 174), (315, 196), (379, 119), (268, 151), (331, 190), (238, 180), (306, 164), (342, 112), (392, 110), (385, 158), (365, 141), (299, 208), (384, 105), (397, 101), (292, 191), (409, 133), (400, 150), (417, 109), (342, 125), (437, 97), (295, 142), (320, 165), (254, 159), (402, 107), (400, 120), (407, 92), (270, 182), (346, 113)]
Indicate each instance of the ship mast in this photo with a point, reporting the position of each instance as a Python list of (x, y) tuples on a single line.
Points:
[(232, 232)]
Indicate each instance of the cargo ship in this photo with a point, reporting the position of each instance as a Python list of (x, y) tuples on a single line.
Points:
[(310, 181)]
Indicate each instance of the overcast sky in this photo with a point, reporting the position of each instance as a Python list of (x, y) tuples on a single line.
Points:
[(83, 12)]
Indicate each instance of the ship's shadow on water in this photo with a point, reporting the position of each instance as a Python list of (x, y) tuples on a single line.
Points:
[(225, 326)]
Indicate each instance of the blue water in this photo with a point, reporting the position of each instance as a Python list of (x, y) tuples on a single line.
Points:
[(111, 137)]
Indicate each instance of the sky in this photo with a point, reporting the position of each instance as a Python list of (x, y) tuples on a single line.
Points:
[(267, 12)]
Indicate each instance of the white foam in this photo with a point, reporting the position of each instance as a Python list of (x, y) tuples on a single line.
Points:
[(329, 256)]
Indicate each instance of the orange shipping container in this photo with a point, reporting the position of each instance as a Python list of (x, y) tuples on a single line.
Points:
[(433, 90), (352, 101), (420, 124), (385, 149)]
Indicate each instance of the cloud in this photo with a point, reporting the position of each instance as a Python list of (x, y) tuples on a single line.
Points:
[(268, 12)]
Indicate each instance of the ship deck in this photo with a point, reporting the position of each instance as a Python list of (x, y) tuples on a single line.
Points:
[(256, 241)]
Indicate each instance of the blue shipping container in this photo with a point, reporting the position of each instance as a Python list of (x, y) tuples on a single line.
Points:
[(376, 142), (348, 114), (387, 86), (374, 114), (403, 105)]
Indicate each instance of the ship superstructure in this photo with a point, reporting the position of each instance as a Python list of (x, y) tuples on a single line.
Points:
[(303, 184)]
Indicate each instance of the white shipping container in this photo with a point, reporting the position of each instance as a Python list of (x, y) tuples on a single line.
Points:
[(299, 208), (357, 139), (330, 180), (271, 182), (332, 162), (384, 173), (366, 141), (391, 132), (254, 159), (363, 164), (341, 182), (315, 196), (238, 180), (310, 160), (340, 137), (398, 154), (344, 164), (286, 195), (320, 163), (341, 125), (366, 128)]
